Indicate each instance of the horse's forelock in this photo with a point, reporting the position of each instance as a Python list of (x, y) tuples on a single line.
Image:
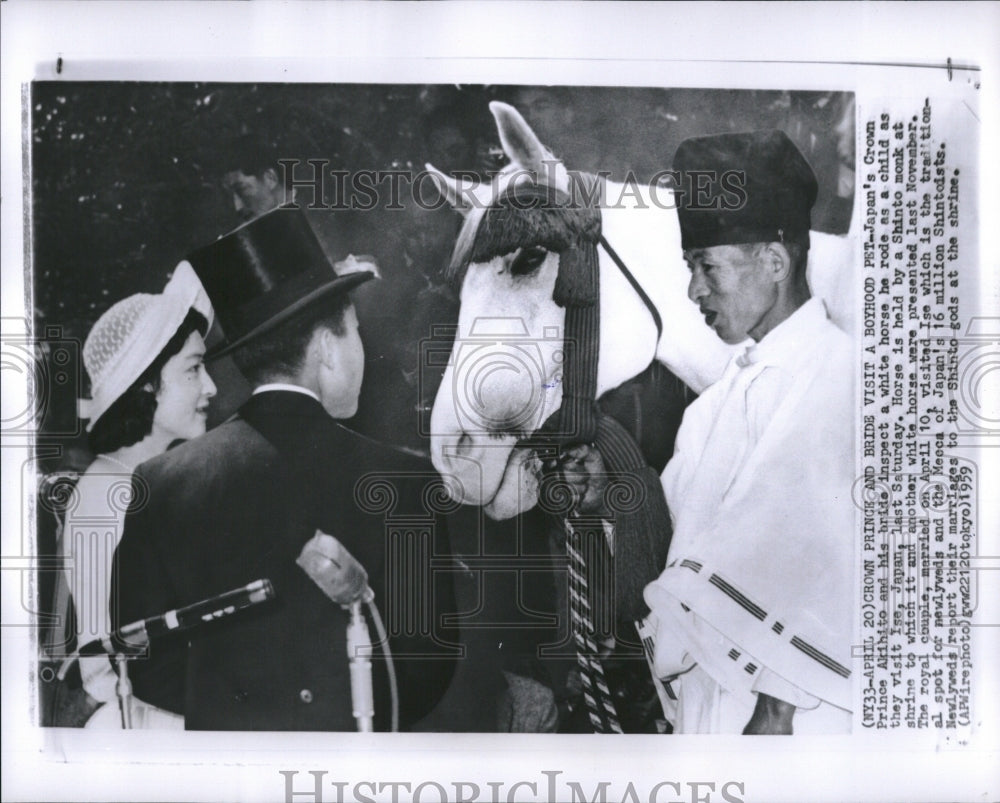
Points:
[(525, 216)]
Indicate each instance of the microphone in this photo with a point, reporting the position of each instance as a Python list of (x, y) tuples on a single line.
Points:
[(336, 571), (134, 636), (343, 579)]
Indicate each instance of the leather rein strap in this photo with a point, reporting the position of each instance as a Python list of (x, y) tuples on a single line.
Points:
[(657, 319)]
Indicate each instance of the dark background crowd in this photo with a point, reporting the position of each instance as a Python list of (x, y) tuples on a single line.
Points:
[(126, 178)]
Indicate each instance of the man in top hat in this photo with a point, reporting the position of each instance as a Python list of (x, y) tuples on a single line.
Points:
[(282, 491), (754, 606)]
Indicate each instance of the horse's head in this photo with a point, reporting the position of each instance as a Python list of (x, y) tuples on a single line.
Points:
[(504, 376)]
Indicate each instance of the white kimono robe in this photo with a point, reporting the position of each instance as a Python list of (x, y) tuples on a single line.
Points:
[(758, 585)]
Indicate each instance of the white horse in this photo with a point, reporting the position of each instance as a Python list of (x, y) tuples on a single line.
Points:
[(503, 377)]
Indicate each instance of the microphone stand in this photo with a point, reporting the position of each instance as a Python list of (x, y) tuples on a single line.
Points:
[(389, 665), (123, 687), (124, 690), (359, 650)]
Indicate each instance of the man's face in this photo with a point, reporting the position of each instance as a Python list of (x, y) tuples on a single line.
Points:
[(734, 290), (341, 386), (450, 148), (548, 115), (254, 195)]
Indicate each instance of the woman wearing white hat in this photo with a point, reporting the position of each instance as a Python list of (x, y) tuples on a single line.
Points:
[(149, 388)]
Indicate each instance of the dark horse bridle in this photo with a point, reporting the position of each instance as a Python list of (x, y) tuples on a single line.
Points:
[(531, 214), (538, 215)]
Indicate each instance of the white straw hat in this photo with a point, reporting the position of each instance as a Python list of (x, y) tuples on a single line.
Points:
[(129, 336)]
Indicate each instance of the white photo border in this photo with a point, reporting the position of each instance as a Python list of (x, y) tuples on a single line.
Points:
[(739, 46)]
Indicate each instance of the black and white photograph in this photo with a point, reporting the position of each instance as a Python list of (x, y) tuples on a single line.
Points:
[(412, 410), (241, 206)]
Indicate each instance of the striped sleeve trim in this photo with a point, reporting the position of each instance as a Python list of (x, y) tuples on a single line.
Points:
[(822, 657), (753, 609), (759, 613), (649, 647)]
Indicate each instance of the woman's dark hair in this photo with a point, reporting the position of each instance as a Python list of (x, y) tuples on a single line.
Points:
[(130, 418)]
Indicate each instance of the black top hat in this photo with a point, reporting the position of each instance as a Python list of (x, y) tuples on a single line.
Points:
[(265, 272), (743, 188)]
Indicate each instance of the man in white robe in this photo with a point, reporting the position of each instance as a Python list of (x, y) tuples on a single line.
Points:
[(753, 610)]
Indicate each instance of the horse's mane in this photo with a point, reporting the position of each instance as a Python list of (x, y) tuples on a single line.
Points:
[(526, 215)]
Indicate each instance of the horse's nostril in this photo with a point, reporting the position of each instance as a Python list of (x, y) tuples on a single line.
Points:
[(464, 445)]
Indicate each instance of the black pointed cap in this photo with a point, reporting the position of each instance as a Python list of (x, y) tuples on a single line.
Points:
[(743, 188)]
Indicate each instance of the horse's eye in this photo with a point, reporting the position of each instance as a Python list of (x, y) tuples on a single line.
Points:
[(527, 260)]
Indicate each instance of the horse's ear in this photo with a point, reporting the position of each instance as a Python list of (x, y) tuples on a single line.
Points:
[(449, 188), (523, 147), (519, 142)]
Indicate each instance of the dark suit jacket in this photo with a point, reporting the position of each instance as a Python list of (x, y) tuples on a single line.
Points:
[(238, 504)]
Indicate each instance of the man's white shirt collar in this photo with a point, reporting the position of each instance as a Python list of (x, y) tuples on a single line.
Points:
[(283, 386), (785, 343)]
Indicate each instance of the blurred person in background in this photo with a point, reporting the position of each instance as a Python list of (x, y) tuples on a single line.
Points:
[(255, 180)]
